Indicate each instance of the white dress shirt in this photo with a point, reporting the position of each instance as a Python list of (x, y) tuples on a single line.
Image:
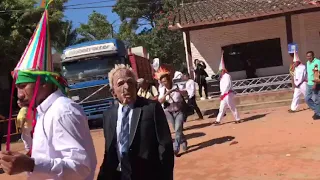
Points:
[(63, 148), (119, 124), (225, 83), (300, 74), (191, 88)]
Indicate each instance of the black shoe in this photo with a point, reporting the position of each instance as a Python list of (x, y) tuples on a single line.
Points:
[(185, 146), (176, 153), (316, 117)]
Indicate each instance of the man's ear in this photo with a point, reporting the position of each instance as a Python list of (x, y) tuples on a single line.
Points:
[(49, 86), (112, 92)]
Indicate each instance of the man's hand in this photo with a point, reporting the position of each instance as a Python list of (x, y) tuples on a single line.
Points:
[(171, 91), (314, 87), (14, 163)]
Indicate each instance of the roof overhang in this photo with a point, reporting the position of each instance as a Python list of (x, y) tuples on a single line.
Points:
[(242, 19)]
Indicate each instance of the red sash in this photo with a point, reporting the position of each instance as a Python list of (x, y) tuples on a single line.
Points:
[(225, 94)]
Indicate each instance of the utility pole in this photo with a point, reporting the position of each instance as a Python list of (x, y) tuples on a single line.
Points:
[(111, 30)]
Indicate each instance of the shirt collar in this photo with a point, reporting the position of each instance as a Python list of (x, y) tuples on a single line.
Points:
[(44, 106), (312, 60), (121, 106)]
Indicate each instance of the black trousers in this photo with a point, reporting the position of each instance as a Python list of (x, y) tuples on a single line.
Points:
[(192, 102), (205, 86)]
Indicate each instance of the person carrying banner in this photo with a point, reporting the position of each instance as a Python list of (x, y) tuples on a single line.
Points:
[(299, 82)]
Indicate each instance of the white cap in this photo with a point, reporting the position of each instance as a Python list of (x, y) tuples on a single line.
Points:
[(222, 65), (296, 57)]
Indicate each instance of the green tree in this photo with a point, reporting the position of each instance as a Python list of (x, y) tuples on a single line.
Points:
[(160, 42), (16, 27), (127, 32), (18, 20), (67, 36), (139, 9), (97, 28)]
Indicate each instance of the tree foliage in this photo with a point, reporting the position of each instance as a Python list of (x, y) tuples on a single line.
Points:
[(157, 38), (139, 9), (66, 37), (97, 28), (18, 20), (16, 27)]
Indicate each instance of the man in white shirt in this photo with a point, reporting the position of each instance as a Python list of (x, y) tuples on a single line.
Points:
[(191, 90), (62, 146), (227, 95), (299, 82)]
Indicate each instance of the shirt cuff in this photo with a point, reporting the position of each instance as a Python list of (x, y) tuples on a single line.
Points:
[(42, 165)]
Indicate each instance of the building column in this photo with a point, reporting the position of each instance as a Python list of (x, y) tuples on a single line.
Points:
[(302, 47), (187, 47), (289, 29)]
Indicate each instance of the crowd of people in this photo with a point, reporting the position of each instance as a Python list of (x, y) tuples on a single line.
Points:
[(138, 142), (305, 81)]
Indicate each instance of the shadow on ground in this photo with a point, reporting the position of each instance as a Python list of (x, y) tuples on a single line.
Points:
[(251, 118), (211, 112), (194, 135), (196, 119), (197, 126), (209, 143), (255, 117)]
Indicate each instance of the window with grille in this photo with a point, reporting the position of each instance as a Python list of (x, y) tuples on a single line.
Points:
[(261, 54)]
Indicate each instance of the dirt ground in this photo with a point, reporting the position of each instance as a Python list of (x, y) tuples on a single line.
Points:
[(270, 145)]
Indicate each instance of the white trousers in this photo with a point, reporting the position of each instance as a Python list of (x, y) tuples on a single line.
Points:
[(228, 101), (26, 138), (296, 95)]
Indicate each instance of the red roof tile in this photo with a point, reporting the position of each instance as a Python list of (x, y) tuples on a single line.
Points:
[(217, 11)]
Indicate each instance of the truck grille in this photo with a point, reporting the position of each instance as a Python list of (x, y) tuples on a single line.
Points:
[(96, 93)]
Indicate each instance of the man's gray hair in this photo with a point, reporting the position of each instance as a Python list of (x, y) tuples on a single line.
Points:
[(118, 67)]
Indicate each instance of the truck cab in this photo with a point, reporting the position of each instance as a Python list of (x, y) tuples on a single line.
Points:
[(86, 67)]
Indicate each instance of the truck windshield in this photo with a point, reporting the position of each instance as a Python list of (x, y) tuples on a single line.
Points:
[(95, 67)]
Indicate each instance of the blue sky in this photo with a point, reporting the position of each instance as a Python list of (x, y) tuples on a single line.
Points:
[(81, 15)]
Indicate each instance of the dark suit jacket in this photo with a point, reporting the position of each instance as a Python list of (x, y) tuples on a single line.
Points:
[(200, 73), (151, 150)]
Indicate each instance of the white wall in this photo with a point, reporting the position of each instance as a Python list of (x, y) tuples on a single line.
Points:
[(306, 29), (206, 44)]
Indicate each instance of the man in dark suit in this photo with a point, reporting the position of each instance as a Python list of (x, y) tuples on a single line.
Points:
[(138, 140)]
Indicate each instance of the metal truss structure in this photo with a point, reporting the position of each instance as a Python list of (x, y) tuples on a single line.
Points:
[(261, 84)]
